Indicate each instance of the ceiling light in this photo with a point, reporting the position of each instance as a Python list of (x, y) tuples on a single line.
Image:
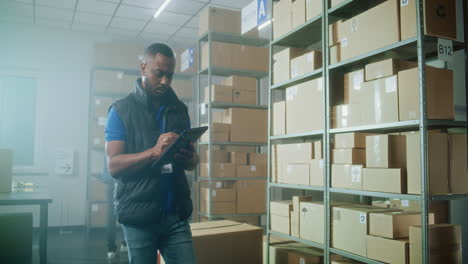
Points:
[(161, 8)]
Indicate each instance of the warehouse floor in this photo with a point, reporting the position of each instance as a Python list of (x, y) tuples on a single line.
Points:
[(77, 248)]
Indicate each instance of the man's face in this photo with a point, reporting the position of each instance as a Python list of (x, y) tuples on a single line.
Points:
[(157, 73)]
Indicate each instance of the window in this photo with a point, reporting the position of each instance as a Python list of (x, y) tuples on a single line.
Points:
[(17, 117)]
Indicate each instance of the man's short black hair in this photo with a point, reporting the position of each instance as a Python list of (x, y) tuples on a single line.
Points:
[(161, 48)]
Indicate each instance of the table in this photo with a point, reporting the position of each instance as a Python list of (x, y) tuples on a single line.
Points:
[(32, 198)]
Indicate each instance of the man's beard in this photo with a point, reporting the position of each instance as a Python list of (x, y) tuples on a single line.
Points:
[(151, 92)]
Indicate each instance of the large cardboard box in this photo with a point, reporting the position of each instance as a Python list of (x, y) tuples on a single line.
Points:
[(440, 209), (240, 96), (251, 197), (240, 82), (316, 172), (219, 20), (297, 173), (280, 216), (349, 156), (305, 63), (378, 25), (388, 250), (218, 208), (238, 158), (282, 18), (382, 97), (352, 86), (219, 170), (312, 221), (348, 115), (113, 82), (458, 163), (394, 225), (438, 163), (349, 227), (282, 60), (384, 180), (351, 140), (253, 58), (297, 200), (313, 9), (219, 94), (439, 19), (347, 176), (98, 138), (306, 97), (6, 170), (224, 240), (227, 194), (439, 94), (217, 155), (247, 125), (220, 133), (444, 244), (258, 159), (128, 56), (298, 13), (318, 146), (279, 118), (97, 191), (386, 151), (251, 171), (386, 68), (183, 88), (222, 55), (292, 153)]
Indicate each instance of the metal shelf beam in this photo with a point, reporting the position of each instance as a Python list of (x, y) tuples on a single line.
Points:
[(309, 76), (228, 215), (231, 38), (302, 36), (233, 144), (231, 105), (299, 240), (231, 178), (295, 186), (377, 194), (312, 134), (221, 71), (354, 256)]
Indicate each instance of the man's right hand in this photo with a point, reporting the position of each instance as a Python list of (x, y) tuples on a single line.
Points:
[(164, 141)]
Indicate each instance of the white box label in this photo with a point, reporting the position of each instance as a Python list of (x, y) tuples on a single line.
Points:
[(404, 2), (405, 203), (363, 218)]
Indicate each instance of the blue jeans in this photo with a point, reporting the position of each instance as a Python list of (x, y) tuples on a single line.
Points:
[(172, 237)]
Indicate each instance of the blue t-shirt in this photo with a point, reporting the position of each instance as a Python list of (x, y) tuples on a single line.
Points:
[(115, 131)]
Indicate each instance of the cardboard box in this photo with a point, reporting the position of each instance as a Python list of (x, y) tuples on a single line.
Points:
[(297, 173), (347, 176), (282, 14), (281, 208), (279, 118), (349, 156), (312, 222), (240, 96), (352, 86), (183, 88), (388, 250), (297, 257), (250, 171), (219, 94), (306, 97), (458, 165), (280, 213), (217, 240), (292, 153), (382, 97), (98, 214), (220, 133), (386, 151), (351, 140), (444, 244), (120, 55), (282, 60), (219, 20), (440, 209), (6, 170), (439, 101), (297, 200), (258, 158), (241, 82), (439, 19), (247, 125), (394, 225), (222, 55), (387, 68), (220, 170), (318, 146), (438, 163), (259, 170), (234, 148), (334, 36), (380, 22), (348, 115), (349, 232), (251, 197), (97, 190), (384, 180), (295, 223), (113, 82), (98, 139), (218, 208), (253, 58), (279, 250), (335, 54), (316, 172), (101, 106), (238, 158), (313, 9), (218, 194), (217, 155), (305, 63), (298, 13)]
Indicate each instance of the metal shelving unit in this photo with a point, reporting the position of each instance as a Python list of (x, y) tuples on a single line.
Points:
[(94, 93), (420, 48), (206, 108)]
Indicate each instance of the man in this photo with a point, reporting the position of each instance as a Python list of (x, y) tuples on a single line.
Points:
[(152, 204)]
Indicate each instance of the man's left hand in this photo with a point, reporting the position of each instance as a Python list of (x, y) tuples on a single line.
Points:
[(188, 157)]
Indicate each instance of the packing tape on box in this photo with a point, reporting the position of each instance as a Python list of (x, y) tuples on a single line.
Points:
[(336, 214), (356, 173), (294, 70), (377, 103), (358, 80), (310, 57), (391, 85), (354, 25), (376, 148)]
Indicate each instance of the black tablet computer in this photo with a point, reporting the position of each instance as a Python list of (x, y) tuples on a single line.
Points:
[(188, 136)]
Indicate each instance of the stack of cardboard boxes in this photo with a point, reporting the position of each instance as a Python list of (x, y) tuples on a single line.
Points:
[(391, 163), (234, 89), (390, 89), (300, 163)]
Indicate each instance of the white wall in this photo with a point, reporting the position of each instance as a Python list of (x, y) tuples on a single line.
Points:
[(62, 62)]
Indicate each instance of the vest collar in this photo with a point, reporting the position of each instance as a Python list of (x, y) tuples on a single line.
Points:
[(141, 95)]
